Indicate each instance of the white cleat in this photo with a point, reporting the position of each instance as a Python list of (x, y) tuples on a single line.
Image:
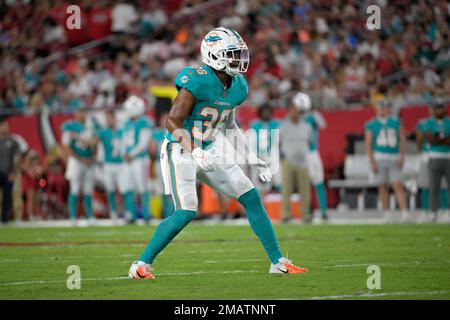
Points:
[(423, 217), (141, 270), (388, 217), (405, 217), (285, 266)]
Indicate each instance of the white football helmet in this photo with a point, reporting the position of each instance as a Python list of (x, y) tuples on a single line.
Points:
[(302, 102), (224, 49), (134, 106)]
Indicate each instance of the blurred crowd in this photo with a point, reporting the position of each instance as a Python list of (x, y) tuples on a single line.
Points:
[(320, 47)]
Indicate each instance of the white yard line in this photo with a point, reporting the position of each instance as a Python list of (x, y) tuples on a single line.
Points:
[(374, 295), (233, 260), (125, 278), (385, 264)]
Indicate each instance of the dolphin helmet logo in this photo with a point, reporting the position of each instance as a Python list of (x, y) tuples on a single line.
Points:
[(212, 38)]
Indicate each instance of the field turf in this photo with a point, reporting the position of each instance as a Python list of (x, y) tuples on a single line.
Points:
[(227, 262)]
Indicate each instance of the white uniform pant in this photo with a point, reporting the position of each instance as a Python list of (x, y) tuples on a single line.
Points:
[(136, 174), (114, 177), (80, 177), (180, 173), (315, 167)]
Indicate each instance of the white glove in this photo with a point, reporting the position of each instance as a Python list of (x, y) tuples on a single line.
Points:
[(262, 167), (204, 159)]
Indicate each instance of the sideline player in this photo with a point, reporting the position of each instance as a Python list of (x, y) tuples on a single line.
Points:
[(314, 162), (204, 105), (437, 134), (385, 146), (158, 135), (113, 175), (77, 141), (261, 142), (137, 133)]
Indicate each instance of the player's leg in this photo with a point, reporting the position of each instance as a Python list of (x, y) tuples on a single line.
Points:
[(88, 177), (317, 178), (395, 175), (180, 177), (229, 179), (232, 181), (73, 175), (383, 195), (304, 185), (287, 187), (110, 178), (140, 169), (381, 179), (7, 187), (435, 172), (126, 189), (445, 191)]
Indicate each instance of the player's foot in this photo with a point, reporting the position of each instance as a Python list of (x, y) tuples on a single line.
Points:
[(141, 270), (388, 217), (423, 217), (435, 216), (405, 216), (285, 266)]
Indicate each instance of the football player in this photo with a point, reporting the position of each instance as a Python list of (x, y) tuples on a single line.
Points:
[(113, 175), (137, 133), (158, 136), (206, 101), (261, 141), (385, 146), (423, 178), (77, 141), (314, 162), (437, 134)]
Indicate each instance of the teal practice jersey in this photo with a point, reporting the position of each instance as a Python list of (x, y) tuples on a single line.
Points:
[(78, 142), (131, 131), (314, 144), (111, 141), (440, 128), (213, 102), (263, 131), (386, 139), (421, 128)]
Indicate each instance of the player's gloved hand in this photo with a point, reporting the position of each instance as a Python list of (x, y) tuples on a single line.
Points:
[(262, 167), (204, 159)]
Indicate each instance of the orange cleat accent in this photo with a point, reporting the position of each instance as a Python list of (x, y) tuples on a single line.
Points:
[(293, 269), (143, 272)]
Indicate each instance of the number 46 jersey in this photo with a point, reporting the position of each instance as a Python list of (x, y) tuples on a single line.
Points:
[(385, 135), (213, 102)]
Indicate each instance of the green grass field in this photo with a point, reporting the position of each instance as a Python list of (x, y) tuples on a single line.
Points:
[(227, 262)]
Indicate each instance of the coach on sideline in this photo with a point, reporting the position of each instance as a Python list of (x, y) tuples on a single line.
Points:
[(295, 137), (437, 134), (9, 166)]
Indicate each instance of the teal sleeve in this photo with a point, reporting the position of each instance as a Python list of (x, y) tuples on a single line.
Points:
[(243, 83), (368, 126), (190, 80)]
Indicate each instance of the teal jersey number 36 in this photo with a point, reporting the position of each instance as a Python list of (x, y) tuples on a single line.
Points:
[(213, 102)]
